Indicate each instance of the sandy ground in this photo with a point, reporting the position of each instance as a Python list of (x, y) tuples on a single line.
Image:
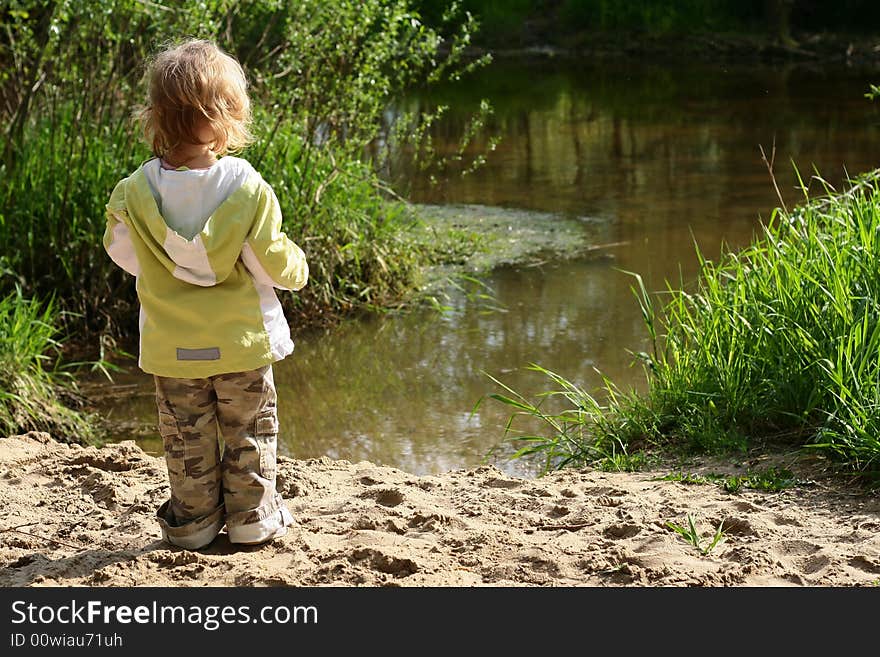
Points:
[(84, 516)]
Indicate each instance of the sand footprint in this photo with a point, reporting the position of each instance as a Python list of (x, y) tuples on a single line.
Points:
[(734, 526), (385, 563), (785, 520), (385, 496), (815, 564), (621, 531), (865, 564)]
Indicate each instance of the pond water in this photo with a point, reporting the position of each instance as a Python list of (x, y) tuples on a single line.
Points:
[(649, 158)]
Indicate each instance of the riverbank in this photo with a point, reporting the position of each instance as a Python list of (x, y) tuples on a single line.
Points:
[(821, 49), (718, 31), (75, 516)]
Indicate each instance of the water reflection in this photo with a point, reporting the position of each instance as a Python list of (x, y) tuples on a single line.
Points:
[(661, 157), (402, 388)]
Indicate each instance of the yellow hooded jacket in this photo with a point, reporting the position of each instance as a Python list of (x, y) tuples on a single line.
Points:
[(208, 305)]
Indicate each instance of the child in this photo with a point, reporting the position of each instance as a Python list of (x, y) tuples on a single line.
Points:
[(201, 232)]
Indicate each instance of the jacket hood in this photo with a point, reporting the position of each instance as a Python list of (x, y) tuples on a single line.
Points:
[(208, 258)]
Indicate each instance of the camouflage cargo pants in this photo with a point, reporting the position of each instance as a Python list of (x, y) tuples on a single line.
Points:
[(208, 489)]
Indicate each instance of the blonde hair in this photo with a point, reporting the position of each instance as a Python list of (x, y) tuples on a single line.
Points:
[(190, 82)]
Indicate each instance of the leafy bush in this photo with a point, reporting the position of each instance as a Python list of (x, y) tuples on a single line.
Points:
[(322, 74)]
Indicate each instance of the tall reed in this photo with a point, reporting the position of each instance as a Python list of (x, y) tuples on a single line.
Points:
[(780, 340), (35, 394)]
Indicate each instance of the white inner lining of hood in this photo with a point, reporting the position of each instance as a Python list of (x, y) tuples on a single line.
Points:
[(186, 198)]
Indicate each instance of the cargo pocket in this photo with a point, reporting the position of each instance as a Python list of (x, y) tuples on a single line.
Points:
[(266, 435), (172, 441)]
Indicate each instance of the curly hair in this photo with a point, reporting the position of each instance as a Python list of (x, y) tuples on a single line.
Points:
[(189, 83)]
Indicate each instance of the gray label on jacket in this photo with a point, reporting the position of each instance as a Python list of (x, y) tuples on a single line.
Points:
[(210, 353)]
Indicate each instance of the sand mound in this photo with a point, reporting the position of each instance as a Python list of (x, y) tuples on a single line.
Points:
[(84, 516)]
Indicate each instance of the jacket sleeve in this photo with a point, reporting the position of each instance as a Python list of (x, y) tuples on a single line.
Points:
[(271, 257), (117, 235)]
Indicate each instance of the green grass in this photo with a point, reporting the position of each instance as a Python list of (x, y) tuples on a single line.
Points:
[(780, 340), (52, 214), (705, 544), (35, 395), (769, 480), (581, 432)]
